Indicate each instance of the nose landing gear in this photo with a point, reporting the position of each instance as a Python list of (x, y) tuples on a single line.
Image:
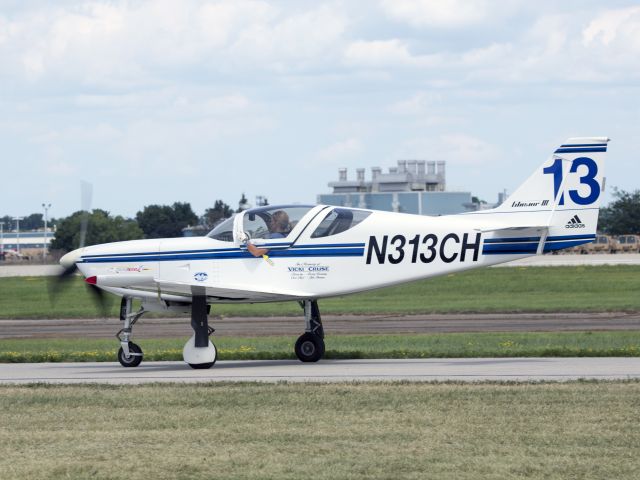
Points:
[(129, 354)]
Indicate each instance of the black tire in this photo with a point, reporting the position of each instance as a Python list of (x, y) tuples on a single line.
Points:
[(133, 360), (199, 366), (203, 366), (309, 347)]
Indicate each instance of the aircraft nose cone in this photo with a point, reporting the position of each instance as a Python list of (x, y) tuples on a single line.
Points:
[(71, 258)]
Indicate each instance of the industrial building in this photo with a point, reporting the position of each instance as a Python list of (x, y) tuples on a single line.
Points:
[(414, 186), (26, 243)]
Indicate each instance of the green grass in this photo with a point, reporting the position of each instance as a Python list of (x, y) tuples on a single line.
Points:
[(322, 431), (518, 289), (449, 345)]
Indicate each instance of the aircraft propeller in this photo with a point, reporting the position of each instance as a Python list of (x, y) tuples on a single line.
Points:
[(68, 261)]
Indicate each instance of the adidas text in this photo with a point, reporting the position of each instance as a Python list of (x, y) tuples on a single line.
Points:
[(575, 222)]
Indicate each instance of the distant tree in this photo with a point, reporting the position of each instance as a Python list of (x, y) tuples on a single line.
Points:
[(622, 215), (32, 222), (164, 221), (243, 204), (213, 215), (9, 224), (101, 228)]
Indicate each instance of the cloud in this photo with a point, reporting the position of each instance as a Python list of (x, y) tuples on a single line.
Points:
[(123, 45), (340, 151), (222, 105), (455, 147), (127, 43), (60, 169), (306, 38), (415, 105), (438, 13), (622, 25), (385, 53)]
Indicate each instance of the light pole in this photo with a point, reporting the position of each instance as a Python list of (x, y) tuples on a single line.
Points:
[(17, 220), (46, 207), (1, 240)]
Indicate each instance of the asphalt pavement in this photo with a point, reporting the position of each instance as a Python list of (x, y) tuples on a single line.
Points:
[(456, 369)]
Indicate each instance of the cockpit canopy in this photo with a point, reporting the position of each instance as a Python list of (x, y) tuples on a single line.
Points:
[(339, 220), (278, 221), (223, 231), (263, 222), (273, 221)]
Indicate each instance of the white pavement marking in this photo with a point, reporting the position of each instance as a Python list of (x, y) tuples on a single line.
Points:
[(455, 369)]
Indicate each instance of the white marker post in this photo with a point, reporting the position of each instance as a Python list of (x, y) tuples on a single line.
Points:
[(17, 220), (46, 207)]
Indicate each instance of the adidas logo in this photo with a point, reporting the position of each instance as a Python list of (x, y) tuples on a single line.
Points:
[(575, 222)]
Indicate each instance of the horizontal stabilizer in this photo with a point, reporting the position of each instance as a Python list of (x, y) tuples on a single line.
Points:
[(513, 229)]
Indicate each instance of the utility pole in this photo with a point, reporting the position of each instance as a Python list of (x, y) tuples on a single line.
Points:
[(1, 240), (46, 207), (17, 220)]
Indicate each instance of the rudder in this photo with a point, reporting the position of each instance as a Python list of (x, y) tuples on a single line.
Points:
[(564, 193)]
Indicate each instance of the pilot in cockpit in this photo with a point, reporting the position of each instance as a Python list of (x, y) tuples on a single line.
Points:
[(278, 228)]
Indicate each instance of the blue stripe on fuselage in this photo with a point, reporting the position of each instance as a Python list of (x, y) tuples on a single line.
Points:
[(331, 250), (518, 246)]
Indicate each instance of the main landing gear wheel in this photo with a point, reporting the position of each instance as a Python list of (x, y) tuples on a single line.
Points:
[(200, 358), (309, 347), (199, 352), (134, 358)]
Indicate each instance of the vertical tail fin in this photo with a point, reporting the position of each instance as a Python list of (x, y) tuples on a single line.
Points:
[(563, 194), (571, 179)]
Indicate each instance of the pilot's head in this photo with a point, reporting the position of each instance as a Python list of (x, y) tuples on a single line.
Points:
[(279, 221)]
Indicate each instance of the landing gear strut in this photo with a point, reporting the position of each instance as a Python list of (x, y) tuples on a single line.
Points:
[(199, 352), (310, 345), (130, 354)]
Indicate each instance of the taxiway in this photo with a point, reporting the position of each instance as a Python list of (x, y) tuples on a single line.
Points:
[(456, 369)]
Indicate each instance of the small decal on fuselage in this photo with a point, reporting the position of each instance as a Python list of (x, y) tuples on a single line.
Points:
[(422, 248), (200, 276), (129, 269), (308, 271), (530, 203)]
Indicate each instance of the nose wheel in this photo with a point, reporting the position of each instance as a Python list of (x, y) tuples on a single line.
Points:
[(132, 358), (129, 354)]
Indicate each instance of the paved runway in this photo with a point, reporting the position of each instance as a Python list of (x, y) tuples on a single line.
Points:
[(334, 325), (459, 369)]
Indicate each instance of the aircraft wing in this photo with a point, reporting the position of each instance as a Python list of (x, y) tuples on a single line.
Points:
[(149, 286), (232, 292)]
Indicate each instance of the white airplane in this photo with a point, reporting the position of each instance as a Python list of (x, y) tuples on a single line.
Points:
[(323, 251)]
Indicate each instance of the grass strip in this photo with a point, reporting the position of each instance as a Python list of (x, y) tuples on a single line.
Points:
[(583, 430), (518, 289), (446, 345)]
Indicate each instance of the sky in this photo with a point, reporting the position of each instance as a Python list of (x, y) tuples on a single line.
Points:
[(193, 101)]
